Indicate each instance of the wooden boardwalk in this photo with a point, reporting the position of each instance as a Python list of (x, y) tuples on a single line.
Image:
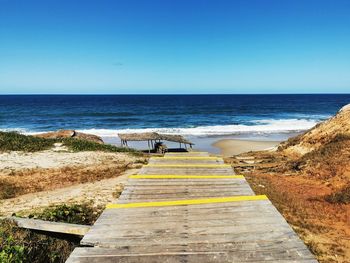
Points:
[(191, 208)]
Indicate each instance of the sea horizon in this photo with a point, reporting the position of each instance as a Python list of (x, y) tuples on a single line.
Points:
[(168, 94), (247, 116)]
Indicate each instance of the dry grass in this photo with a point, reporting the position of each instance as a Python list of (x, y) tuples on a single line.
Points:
[(8, 188), (312, 193), (340, 197), (323, 226), (35, 180)]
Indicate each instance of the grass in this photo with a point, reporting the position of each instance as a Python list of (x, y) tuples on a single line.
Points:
[(329, 149), (8, 189), (20, 245), (327, 161), (43, 179), (292, 208), (77, 145), (83, 214), (318, 217), (340, 197), (13, 141)]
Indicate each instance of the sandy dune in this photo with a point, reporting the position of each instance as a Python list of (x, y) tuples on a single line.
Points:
[(52, 159), (229, 147), (100, 192)]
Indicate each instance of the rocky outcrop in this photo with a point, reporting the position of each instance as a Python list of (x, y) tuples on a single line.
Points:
[(70, 134), (320, 135)]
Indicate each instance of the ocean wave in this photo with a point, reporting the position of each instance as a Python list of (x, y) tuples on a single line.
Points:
[(264, 126), (267, 126)]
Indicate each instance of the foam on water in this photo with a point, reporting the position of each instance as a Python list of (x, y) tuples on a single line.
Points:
[(262, 126)]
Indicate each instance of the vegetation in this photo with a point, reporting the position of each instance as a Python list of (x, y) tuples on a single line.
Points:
[(78, 145), (327, 161), (290, 142), (13, 141), (83, 214), (340, 197), (20, 245), (9, 189), (329, 149), (302, 189)]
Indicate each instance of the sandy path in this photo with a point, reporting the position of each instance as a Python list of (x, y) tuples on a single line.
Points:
[(101, 192), (229, 147)]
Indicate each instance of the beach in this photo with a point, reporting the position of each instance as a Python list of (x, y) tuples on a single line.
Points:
[(229, 147)]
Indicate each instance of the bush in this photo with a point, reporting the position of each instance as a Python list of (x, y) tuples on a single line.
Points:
[(8, 189), (13, 141), (78, 145), (20, 245), (84, 214), (10, 252), (340, 197)]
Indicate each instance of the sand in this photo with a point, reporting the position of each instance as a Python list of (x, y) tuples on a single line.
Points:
[(99, 192), (51, 159), (229, 147), (24, 173)]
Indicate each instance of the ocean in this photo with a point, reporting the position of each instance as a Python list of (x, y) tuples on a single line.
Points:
[(195, 116)]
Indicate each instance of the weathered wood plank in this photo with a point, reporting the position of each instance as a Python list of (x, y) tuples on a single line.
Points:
[(244, 247), (244, 231), (47, 226), (108, 255), (186, 161), (181, 238)]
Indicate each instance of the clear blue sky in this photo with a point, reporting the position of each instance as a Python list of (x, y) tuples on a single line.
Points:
[(174, 46)]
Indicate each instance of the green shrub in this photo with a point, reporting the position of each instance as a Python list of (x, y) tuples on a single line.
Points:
[(10, 252), (78, 145), (13, 141), (84, 214), (20, 245)]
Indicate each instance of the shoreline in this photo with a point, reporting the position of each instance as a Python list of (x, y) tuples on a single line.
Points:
[(227, 145), (230, 147)]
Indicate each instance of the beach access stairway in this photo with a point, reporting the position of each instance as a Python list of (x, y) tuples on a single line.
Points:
[(190, 207)]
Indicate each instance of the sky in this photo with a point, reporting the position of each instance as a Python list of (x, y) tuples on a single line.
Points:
[(174, 46)]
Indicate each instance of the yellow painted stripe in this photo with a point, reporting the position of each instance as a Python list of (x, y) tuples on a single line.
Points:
[(176, 176), (186, 157), (190, 165), (184, 153), (190, 201)]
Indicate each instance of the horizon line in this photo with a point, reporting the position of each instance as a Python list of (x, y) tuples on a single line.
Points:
[(164, 94)]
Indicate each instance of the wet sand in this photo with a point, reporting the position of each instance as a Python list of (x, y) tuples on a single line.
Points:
[(229, 147)]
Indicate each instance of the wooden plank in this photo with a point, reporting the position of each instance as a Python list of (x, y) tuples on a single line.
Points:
[(181, 176), (108, 255), (245, 247), (227, 199), (260, 235), (158, 220), (207, 167), (47, 226), (143, 192), (185, 159), (186, 171)]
